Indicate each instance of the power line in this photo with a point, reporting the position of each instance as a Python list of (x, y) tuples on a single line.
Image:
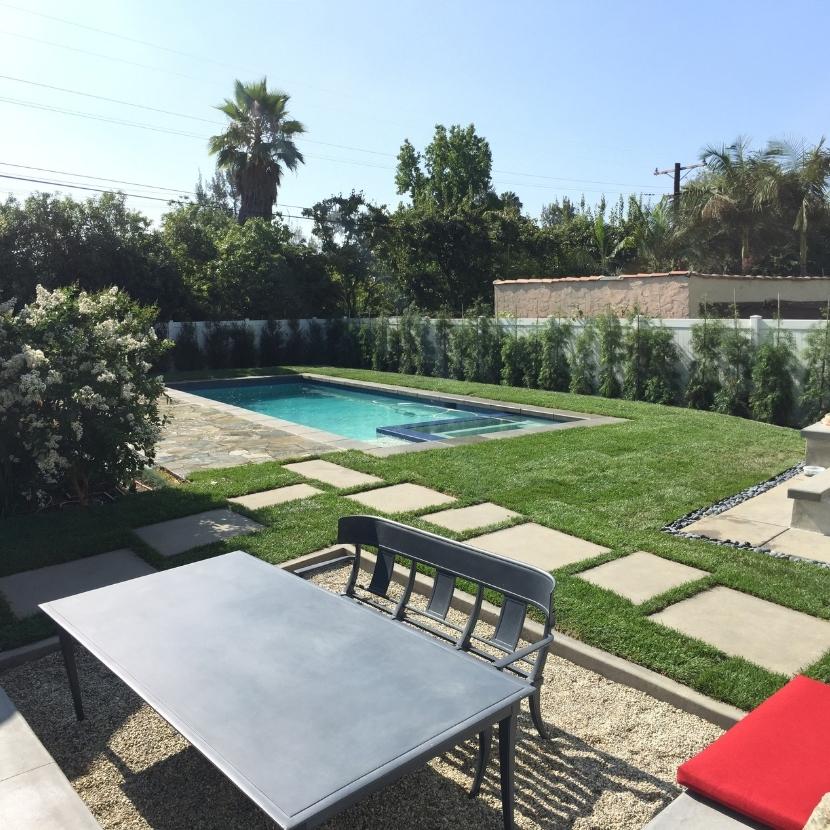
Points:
[(72, 186), (96, 178), (100, 55), (116, 35), (302, 139)]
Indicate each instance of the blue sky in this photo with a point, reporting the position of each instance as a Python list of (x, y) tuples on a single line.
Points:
[(579, 97)]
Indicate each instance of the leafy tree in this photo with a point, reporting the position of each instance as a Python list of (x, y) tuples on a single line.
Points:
[(815, 395), (462, 350), (380, 344), (737, 187), (610, 350), (187, 355), (344, 226), (704, 373), (735, 372), (441, 338), (808, 171), (583, 362), (260, 271), (772, 395), (270, 343), (662, 381), (56, 241), (452, 175), (513, 359), (555, 368), (257, 145)]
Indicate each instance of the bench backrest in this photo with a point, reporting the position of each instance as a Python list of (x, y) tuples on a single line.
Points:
[(445, 561)]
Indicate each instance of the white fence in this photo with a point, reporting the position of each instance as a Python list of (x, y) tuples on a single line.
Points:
[(757, 327)]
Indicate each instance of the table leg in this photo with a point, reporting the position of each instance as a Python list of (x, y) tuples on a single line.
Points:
[(507, 765), (68, 650)]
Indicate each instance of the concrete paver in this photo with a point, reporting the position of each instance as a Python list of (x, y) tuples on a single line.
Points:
[(25, 591), (770, 635), (641, 576), (34, 793), (178, 535), (268, 498), (805, 543), (401, 498), (537, 545), (734, 529), (469, 518), (333, 474)]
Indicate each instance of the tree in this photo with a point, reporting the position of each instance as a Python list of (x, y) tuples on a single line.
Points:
[(452, 175), (736, 188), (808, 171), (344, 226), (257, 145)]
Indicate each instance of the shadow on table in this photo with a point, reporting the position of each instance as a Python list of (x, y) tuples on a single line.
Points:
[(129, 765)]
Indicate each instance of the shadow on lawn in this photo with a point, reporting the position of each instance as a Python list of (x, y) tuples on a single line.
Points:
[(134, 770)]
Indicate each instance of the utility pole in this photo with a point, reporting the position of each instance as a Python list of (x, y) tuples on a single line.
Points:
[(676, 173)]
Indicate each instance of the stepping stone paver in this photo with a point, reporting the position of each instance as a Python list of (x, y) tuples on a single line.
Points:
[(268, 498), (804, 543), (333, 474), (641, 576), (401, 498), (734, 529), (777, 638), (537, 545), (469, 518), (178, 535), (25, 591)]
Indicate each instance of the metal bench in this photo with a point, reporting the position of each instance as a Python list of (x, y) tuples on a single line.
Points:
[(519, 587)]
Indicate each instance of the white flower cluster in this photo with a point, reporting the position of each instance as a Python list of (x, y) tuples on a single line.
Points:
[(78, 404)]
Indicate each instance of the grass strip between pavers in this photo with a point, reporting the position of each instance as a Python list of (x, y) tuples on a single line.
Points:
[(614, 485)]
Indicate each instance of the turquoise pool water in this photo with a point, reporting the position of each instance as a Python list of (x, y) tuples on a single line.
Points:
[(358, 415)]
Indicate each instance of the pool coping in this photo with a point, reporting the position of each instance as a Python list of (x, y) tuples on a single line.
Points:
[(565, 419)]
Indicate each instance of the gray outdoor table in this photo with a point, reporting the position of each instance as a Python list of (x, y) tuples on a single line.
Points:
[(306, 700)]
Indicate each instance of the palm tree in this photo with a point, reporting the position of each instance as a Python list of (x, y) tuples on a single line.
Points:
[(257, 144), (736, 187), (808, 171)]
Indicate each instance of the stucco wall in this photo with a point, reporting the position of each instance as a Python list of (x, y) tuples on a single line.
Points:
[(754, 290), (663, 296)]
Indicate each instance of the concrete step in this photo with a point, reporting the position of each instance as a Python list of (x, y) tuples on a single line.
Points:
[(813, 488)]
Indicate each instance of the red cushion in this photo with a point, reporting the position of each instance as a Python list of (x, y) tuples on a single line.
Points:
[(774, 765)]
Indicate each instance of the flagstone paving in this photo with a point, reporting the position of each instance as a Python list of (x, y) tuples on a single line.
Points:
[(268, 498), (805, 543), (734, 529), (199, 437), (777, 638), (641, 575), (401, 498), (25, 591), (537, 545), (333, 474), (470, 518), (178, 535)]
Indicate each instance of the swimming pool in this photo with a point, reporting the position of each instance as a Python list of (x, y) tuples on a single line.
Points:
[(371, 416)]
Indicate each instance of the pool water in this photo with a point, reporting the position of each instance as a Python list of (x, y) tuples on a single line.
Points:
[(359, 415)]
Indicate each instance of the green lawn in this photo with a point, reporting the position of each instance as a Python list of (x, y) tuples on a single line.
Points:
[(615, 485)]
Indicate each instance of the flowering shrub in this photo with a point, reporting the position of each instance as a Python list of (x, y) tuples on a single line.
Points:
[(78, 405)]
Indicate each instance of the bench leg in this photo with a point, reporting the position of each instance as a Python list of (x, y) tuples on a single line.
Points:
[(535, 703), (485, 741), (507, 766), (68, 650)]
